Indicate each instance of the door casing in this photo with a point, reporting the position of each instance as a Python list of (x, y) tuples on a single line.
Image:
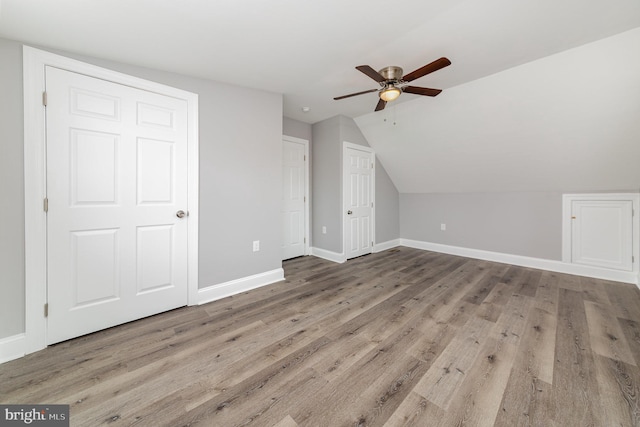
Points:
[(34, 62), (307, 195)]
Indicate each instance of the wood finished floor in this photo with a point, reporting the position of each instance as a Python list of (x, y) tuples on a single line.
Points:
[(398, 338)]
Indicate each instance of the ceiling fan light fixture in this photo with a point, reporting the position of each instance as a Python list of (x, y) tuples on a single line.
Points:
[(390, 93)]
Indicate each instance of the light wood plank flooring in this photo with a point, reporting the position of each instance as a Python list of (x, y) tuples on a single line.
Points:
[(398, 338)]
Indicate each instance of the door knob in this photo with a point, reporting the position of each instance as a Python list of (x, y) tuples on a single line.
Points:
[(181, 214), (349, 212)]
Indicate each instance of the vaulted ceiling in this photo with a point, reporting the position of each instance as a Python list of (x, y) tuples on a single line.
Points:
[(307, 50), (567, 122)]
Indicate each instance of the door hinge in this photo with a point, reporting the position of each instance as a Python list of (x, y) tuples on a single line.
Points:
[(304, 199), (44, 98), (305, 240), (46, 309), (633, 259), (371, 204), (45, 204), (304, 158)]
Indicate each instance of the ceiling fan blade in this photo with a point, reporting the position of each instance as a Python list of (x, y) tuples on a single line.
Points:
[(371, 73), (381, 104), (429, 68), (355, 94), (421, 90)]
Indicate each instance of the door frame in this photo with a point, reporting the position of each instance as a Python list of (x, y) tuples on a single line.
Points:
[(35, 182), (307, 192), (345, 189), (568, 199)]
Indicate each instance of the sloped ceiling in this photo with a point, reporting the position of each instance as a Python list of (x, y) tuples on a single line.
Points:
[(521, 105), (567, 122)]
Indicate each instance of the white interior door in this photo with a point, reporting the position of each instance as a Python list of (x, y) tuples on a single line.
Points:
[(358, 200), (294, 199), (601, 233), (116, 178)]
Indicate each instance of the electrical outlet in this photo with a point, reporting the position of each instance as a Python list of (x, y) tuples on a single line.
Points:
[(324, 229), (443, 227), (256, 245)]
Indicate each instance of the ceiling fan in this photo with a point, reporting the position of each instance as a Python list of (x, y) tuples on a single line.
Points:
[(393, 83)]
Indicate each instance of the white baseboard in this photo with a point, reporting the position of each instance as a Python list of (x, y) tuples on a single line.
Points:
[(524, 261), (379, 247), (12, 347), (328, 255), (341, 257), (233, 287)]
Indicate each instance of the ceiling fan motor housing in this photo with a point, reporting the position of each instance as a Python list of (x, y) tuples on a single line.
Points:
[(391, 73)]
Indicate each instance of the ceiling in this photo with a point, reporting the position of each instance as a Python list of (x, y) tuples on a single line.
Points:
[(307, 49), (564, 123)]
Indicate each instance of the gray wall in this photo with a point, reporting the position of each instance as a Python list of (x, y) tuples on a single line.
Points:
[(240, 178), (11, 191), (326, 188), (328, 138), (387, 206), (298, 129), (527, 223)]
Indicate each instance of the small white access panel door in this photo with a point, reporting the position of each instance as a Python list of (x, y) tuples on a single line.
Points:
[(293, 199), (602, 233), (116, 181), (358, 201)]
